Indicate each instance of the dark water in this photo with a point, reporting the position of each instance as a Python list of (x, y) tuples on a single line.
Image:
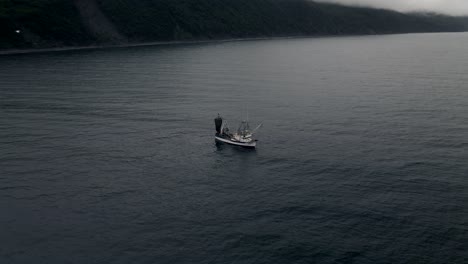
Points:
[(108, 156)]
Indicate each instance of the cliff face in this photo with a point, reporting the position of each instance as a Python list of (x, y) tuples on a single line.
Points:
[(58, 23)]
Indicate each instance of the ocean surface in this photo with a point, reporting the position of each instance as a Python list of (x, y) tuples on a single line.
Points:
[(108, 156)]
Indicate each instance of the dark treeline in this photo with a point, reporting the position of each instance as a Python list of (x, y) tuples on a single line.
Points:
[(49, 23)]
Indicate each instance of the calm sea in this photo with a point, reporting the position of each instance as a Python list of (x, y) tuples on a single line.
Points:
[(108, 156)]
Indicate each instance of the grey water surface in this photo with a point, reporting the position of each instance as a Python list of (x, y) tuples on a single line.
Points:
[(108, 156)]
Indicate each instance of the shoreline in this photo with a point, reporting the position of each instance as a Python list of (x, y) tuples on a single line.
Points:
[(182, 42), (127, 45)]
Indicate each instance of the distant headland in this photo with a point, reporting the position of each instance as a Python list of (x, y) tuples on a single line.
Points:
[(57, 24)]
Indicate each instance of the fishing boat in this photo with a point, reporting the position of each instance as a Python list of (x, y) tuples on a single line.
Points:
[(243, 137)]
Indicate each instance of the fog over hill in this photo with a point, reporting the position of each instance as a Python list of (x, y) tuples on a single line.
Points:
[(64, 23), (450, 7)]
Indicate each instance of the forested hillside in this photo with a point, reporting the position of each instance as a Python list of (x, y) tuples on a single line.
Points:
[(57, 23)]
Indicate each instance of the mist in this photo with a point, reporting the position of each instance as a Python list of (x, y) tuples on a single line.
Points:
[(450, 7)]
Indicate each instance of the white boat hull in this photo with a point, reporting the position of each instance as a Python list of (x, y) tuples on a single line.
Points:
[(241, 144)]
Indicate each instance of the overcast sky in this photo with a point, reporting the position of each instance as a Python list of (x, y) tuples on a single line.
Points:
[(454, 7)]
